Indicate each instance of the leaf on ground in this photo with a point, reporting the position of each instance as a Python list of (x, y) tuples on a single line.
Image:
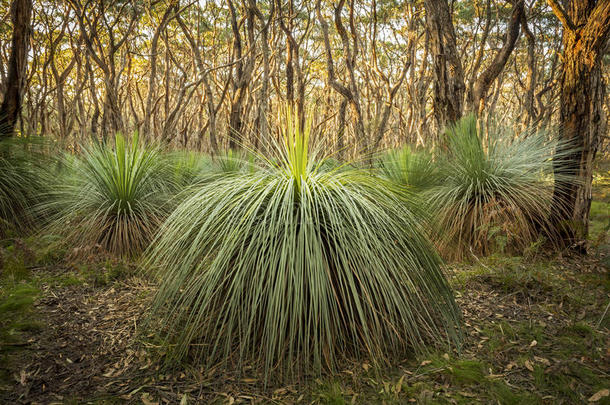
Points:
[(599, 395), (147, 400), (398, 387)]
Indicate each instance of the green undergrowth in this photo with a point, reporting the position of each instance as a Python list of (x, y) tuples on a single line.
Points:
[(544, 341), (599, 215), (536, 334), (17, 314)]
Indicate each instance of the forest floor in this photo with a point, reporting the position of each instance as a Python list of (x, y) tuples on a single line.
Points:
[(537, 331)]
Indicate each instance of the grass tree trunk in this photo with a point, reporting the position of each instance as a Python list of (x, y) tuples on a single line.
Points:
[(21, 14), (586, 26)]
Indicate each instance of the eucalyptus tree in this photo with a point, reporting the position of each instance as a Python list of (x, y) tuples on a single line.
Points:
[(21, 12), (586, 28)]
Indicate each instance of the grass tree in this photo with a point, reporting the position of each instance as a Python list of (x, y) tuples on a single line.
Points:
[(411, 168), (291, 268), (189, 167), (112, 196), (496, 192), (22, 183)]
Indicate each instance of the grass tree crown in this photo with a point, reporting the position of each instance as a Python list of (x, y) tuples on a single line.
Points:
[(497, 189)]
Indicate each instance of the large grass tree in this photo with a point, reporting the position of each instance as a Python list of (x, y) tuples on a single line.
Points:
[(293, 268)]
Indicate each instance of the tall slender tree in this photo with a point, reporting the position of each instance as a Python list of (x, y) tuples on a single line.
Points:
[(21, 14), (449, 85)]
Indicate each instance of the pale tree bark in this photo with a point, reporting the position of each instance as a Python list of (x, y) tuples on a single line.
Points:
[(21, 14), (60, 76), (152, 78), (391, 89), (263, 104), (244, 65), (293, 61), (481, 48), (105, 54), (586, 25), (207, 88), (530, 108)]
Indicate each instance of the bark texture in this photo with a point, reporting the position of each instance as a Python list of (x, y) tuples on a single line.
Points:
[(485, 80), (449, 76), (586, 28), (21, 14)]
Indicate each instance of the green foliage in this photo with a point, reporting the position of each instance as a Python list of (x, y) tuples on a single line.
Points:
[(189, 167), (599, 227), (21, 297), (17, 297), (411, 168), (100, 274), (116, 197), (473, 374), (497, 191), (13, 265), (231, 161), (292, 268), (21, 183), (331, 394)]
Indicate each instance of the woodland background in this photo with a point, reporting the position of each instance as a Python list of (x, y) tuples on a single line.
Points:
[(190, 74)]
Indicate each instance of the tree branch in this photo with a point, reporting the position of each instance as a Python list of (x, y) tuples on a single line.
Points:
[(561, 15)]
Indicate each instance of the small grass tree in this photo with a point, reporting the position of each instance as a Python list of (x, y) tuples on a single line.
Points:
[(22, 183), (411, 168), (113, 196), (496, 193)]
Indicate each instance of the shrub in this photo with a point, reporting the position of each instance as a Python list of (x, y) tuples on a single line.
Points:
[(291, 268), (115, 197), (21, 183), (189, 167), (231, 161), (496, 194), (411, 168)]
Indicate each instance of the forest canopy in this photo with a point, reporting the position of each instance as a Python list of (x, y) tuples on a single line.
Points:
[(185, 72)]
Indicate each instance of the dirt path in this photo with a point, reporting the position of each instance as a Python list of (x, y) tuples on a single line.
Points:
[(87, 340)]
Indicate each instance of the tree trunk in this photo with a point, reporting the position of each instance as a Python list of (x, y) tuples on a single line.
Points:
[(21, 13), (531, 73), (449, 84), (586, 27), (152, 78)]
